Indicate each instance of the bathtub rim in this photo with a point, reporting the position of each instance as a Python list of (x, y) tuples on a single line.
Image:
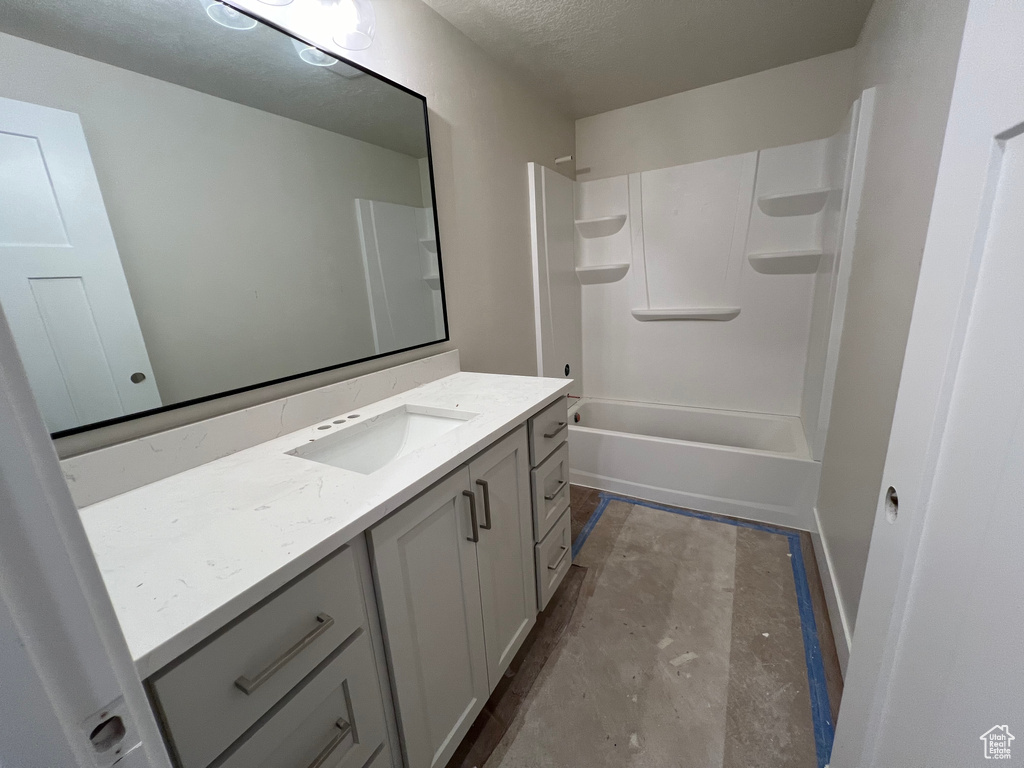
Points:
[(801, 451)]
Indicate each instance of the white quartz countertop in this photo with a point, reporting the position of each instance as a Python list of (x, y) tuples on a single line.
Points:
[(183, 556)]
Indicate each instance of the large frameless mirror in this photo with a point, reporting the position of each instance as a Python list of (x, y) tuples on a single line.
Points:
[(193, 203)]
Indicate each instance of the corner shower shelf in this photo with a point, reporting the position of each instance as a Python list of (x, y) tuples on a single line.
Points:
[(433, 280), (601, 273), (693, 313), (429, 243), (801, 203), (600, 227), (785, 263)]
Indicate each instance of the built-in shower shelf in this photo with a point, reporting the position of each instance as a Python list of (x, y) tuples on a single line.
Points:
[(785, 262), (433, 279), (429, 243), (801, 203), (602, 273), (600, 227), (690, 313)]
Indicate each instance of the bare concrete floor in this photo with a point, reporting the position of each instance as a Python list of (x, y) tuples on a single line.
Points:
[(684, 649)]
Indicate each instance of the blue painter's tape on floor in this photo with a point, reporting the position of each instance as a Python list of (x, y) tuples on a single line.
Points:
[(824, 731), (821, 711), (582, 538)]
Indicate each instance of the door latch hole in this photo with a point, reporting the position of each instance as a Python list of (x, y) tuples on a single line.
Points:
[(107, 734), (892, 504)]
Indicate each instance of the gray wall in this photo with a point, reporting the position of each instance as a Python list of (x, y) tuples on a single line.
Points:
[(909, 49), (236, 227), (786, 105)]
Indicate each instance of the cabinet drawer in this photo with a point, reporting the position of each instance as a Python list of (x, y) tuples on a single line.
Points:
[(548, 429), (336, 718), (203, 696), (550, 483), (554, 556)]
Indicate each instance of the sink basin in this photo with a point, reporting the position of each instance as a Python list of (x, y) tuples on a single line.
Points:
[(367, 446)]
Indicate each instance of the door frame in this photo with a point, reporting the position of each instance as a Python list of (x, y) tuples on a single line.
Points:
[(53, 592), (981, 119)]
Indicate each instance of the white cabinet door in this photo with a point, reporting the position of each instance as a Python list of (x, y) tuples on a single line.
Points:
[(426, 566), (508, 590), (61, 282)]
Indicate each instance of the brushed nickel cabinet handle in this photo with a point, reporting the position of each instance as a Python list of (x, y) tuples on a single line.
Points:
[(558, 562), (247, 686), (558, 490), (344, 729), (561, 425), (486, 525), (472, 516)]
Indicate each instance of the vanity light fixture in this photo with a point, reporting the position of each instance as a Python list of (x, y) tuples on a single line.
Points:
[(313, 55), (227, 16)]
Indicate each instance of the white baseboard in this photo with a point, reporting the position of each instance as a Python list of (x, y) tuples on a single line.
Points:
[(841, 629)]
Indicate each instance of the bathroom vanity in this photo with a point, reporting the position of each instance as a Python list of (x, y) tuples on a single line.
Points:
[(319, 574), (348, 594)]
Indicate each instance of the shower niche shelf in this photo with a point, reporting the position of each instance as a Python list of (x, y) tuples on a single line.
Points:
[(801, 203), (433, 280), (601, 273), (429, 243), (690, 313), (785, 262), (603, 226)]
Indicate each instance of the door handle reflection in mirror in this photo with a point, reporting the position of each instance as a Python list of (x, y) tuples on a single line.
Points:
[(247, 686), (558, 490), (138, 377), (561, 425), (486, 525), (344, 729), (558, 562), (472, 516)]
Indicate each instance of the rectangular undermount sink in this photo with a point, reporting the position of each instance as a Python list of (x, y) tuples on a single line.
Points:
[(367, 446)]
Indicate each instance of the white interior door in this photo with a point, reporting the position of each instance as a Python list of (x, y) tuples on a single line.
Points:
[(65, 668), (62, 286), (934, 667)]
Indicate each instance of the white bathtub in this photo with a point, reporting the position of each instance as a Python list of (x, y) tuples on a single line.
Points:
[(750, 465)]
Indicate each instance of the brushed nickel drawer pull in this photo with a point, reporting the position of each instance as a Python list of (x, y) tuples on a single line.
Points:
[(344, 729), (558, 562), (486, 524), (561, 425), (247, 686), (558, 490)]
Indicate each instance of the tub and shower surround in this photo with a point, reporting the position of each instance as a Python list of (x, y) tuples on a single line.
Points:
[(711, 297)]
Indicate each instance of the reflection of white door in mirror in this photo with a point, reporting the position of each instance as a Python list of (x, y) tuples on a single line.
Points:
[(62, 285)]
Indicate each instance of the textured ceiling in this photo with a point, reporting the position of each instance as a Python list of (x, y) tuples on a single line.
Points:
[(591, 56), (174, 40)]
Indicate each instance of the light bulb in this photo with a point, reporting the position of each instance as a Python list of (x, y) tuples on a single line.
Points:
[(227, 16), (313, 55), (356, 24)]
